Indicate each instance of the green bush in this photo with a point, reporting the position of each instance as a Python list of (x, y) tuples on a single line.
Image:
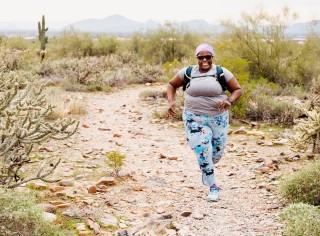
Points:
[(149, 74), (115, 161), (19, 215), (240, 69), (303, 185), (294, 90), (73, 44), (269, 109), (105, 45), (171, 68), (18, 43), (301, 220)]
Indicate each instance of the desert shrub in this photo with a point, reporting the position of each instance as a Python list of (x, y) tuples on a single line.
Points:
[(128, 57), (11, 59), (73, 87), (83, 71), (22, 77), (46, 68), (105, 45), (301, 220), (267, 108), (112, 62), (166, 43), (315, 85), (119, 78), (114, 160), (293, 90), (19, 215), (74, 44), (308, 65), (239, 67), (149, 74), (171, 68), (263, 86), (303, 185), (152, 95), (98, 85), (17, 43), (258, 102)]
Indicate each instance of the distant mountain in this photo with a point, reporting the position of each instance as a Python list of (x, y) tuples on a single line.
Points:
[(117, 24), (122, 26), (112, 24), (303, 28), (202, 26)]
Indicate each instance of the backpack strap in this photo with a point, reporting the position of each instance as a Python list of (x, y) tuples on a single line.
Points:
[(186, 78), (219, 75), (221, 79)]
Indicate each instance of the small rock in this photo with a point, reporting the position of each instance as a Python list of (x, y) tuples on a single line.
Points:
[(198, 216), (264, 169), (56, 188), (48, 207), (49, 216), (67, 182), (92, 189), (106, 181), (186, 213)]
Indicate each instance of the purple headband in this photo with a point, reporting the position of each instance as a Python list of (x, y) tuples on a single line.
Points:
[(204, 47)]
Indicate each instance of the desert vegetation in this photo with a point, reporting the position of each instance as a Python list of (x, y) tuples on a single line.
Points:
[(280, 79)]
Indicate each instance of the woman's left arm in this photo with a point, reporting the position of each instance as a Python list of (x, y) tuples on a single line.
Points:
[(235, 90)]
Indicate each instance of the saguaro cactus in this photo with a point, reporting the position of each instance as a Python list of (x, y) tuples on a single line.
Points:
[(42, 37)]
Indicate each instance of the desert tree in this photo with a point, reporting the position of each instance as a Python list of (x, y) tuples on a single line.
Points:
[(166, 43), (260, 38)]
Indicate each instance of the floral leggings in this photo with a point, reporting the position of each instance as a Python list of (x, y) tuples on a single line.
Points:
[(206, 135)]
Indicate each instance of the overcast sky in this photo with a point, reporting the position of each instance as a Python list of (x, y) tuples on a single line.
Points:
[(143, 10)]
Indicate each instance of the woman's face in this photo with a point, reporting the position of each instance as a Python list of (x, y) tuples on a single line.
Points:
[(204, 61)]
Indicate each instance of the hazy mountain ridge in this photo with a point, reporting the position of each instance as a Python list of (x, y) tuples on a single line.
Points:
[(120, 25)]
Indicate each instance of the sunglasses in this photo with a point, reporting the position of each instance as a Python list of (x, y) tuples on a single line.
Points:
[(207, 57)]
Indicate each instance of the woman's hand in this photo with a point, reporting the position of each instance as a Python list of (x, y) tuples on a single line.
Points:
[(224, 105), (172, 111), (172, 86)]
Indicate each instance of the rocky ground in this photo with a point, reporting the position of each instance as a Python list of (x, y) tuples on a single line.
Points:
[(160, 190)]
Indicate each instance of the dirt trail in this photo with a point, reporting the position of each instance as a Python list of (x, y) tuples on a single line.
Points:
[(120, 121)]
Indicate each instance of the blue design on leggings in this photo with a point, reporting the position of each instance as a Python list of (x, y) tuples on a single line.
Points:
[(206, 136)]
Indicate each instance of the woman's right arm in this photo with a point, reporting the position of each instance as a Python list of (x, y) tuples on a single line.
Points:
[(172, 86)]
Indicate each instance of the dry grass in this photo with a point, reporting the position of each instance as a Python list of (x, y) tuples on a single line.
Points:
[(65, 104)]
